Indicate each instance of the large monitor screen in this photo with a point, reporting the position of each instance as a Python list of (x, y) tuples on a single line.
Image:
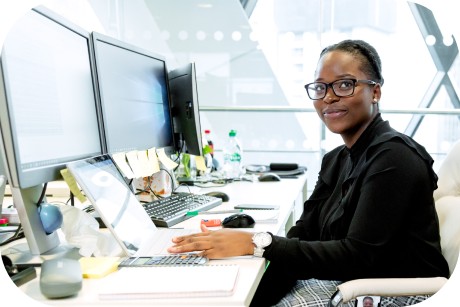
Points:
[(133, 89), (48, 111), (47, 100)]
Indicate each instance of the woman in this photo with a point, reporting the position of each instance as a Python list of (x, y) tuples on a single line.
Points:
[(371, 213)]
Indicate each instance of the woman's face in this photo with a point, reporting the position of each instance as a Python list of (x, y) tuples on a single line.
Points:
[(347, 116), (368, 303)]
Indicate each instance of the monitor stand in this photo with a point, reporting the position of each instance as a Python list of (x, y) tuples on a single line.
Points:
[(20, 254), (25, 201)]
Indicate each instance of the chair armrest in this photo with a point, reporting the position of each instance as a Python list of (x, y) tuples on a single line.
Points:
[(390, 287)]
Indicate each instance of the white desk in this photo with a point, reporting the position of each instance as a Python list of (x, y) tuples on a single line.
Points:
[(289, 194)]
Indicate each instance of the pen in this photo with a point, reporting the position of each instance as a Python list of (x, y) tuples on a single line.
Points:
[(193, 213)]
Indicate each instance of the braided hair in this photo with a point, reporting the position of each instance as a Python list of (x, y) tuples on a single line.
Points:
[(368, 56)]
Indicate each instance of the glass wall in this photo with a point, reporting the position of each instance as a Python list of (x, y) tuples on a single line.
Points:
[(417, 47)]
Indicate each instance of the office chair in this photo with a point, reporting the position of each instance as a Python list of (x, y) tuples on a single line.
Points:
[(447, 200)]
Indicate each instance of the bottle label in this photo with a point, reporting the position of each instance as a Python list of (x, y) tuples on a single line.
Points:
[(234, 157)]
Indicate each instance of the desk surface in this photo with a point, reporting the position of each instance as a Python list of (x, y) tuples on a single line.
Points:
[(284, 194)]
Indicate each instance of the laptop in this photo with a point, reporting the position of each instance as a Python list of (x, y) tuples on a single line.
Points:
[(120, 210)]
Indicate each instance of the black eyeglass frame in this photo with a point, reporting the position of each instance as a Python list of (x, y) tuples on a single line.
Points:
[(369, 82)]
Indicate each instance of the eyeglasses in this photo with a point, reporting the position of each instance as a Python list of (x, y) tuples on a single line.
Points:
[(341, 88)]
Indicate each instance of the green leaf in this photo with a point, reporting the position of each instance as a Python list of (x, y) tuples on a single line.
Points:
[(207, 149), (186, 164)]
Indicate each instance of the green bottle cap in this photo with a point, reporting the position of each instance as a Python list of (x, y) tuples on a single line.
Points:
[(232, 133)]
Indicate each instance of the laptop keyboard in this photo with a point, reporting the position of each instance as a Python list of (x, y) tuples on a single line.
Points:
[(169, 211)]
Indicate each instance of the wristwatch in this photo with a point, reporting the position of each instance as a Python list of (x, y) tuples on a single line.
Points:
[(261, 240)]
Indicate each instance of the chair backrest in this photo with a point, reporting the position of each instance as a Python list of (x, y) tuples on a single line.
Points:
[(448, 208), (447, 198), (449, 174)]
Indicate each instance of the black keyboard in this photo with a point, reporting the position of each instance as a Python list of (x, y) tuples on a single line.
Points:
[(169, 211)]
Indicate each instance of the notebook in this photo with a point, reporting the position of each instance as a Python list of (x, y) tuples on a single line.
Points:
[(119, 209), (170, 282)]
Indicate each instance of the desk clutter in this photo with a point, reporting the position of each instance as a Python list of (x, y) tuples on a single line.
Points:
[(102, 275)]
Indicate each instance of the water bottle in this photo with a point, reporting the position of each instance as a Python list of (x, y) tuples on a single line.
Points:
[(233, 154)]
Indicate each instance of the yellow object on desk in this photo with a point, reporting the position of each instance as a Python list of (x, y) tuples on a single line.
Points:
[(97, 267), (73, 186)]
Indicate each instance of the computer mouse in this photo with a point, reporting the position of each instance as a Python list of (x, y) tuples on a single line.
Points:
[(219, 194), (239, 220), (60, 277), (269, 177)]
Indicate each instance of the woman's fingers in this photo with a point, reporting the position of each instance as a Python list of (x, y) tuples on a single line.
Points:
[(182, 238), (204, 228), (215, 244), (190, 243)]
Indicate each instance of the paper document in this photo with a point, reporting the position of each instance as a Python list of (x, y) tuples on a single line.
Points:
[(170, 282), (120, 160), (264, 216), (170, 164)]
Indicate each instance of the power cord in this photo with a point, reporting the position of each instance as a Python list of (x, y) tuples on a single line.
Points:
[(42, 196), (18, 234)]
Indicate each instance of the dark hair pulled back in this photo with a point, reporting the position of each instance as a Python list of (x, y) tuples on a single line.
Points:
[(370, 59)]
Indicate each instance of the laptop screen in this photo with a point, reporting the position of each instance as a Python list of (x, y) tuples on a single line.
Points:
[(117, 205)]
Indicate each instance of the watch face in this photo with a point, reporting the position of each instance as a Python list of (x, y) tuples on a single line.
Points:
[(262, 239)]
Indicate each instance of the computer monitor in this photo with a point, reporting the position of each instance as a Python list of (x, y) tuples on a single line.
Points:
[(3, 179), (48, 111), (2, 160), (134, 98), (185, 109)]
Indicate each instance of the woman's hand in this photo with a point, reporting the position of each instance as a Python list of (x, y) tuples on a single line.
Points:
[(215, 244)]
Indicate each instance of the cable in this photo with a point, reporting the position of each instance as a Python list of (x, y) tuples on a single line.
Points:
[(140, 191), (42, 196), (177, 160), (156, 195), (185, 185), (72, 199), (18, 234)]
